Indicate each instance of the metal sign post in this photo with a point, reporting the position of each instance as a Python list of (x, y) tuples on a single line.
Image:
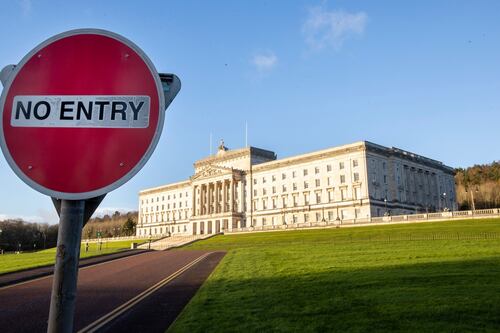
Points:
[(63, 298), (80, 115)]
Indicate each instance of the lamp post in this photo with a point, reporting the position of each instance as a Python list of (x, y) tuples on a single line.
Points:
[(1, 251), (444, 199)]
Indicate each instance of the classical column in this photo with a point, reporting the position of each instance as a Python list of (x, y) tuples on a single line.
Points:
[(231, 209), (202, 199), (224, 195), (242, 197), (193, 205)]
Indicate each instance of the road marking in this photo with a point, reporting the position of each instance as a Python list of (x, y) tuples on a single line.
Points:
[(79, 269), (106, 319)]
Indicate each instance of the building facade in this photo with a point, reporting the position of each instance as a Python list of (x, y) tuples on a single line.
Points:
[(251, 187)]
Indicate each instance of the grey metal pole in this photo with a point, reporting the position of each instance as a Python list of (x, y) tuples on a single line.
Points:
[(62, 302)]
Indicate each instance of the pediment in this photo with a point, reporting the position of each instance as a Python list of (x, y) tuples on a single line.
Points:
[(212, 171)]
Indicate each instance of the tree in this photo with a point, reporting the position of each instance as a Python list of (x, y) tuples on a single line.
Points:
[(129, 226)]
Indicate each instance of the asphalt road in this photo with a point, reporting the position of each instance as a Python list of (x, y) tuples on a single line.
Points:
[(104, 287)]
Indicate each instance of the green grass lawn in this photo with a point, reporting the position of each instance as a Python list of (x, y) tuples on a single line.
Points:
[(428, 277), (14, 262)]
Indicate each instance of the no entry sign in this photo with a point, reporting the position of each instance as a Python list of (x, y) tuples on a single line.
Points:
[(81, 114)]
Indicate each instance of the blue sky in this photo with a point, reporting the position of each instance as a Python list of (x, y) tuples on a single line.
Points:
[(422, 76)]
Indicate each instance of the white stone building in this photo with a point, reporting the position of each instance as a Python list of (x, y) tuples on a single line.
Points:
[(250, 187)]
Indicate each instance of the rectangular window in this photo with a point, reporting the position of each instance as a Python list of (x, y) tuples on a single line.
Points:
[(342, 179), (343, 194), (274, 189), (263, 180), (274, 178), (328, 181), (255, 181), (330, 196), (316, 170), (306, 199), (356, 177), (306, 185), (255, 193), (317, 182), (357, 213), (264, 191), (284, 188), (354, 163), (385, 179), (274, 202), (357, 193), (330, 215), (318, 217), (329, 168), (264, 204), (318, 197), (283, 176), (283, 202), (295, 220), (294, 174), (295, 203), (306, 217), (305, 172), (263, 221), (341, 165), (180, 195), (295, 186)]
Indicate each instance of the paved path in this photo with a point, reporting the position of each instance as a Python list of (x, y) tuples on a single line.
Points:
[(32, 273), (104, 287)]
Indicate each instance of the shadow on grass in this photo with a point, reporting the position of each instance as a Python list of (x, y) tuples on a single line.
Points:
[(433, 297)]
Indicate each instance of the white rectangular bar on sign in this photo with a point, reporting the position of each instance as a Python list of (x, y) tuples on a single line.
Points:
[(81, 111)]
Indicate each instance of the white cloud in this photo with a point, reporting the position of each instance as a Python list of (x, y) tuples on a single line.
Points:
[(325, 28), (36, 219), (101, 211), (265, 61)]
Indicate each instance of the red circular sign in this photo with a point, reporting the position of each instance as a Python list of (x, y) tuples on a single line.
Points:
[(81, 114)]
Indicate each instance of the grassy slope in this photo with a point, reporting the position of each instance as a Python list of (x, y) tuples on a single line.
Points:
[(15, 262), (354, 280)]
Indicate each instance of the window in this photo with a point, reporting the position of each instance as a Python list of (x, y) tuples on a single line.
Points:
[(294, 174), (329, 168), (306, 199), (318, 217), (316, 170), (383, 165), (385, 179), (263, 180), (255, 181), (295, 218), (274, 189), (305, 172), (317, 182), (295, 203), (295, 186), (263, 221), (356, 177), (306, 185), (357, 213), (163, 198), (273, 178), (357, 193), (328, 181), (306, 217), (330, 215), (180, 195), (330, 196), (255, 205), (264, 204), (264, 191), (343, 194), (274, 202), (180, 204), (342, 179), (284, 188), (341, 165), (254, 193), (283, 176), (318, 197), (284, 202), (354, 163)]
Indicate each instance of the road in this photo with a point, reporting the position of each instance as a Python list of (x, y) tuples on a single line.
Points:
[(104, 287)]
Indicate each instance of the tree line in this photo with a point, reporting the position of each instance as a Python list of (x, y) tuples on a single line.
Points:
[(19, 235), (478, 187)]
